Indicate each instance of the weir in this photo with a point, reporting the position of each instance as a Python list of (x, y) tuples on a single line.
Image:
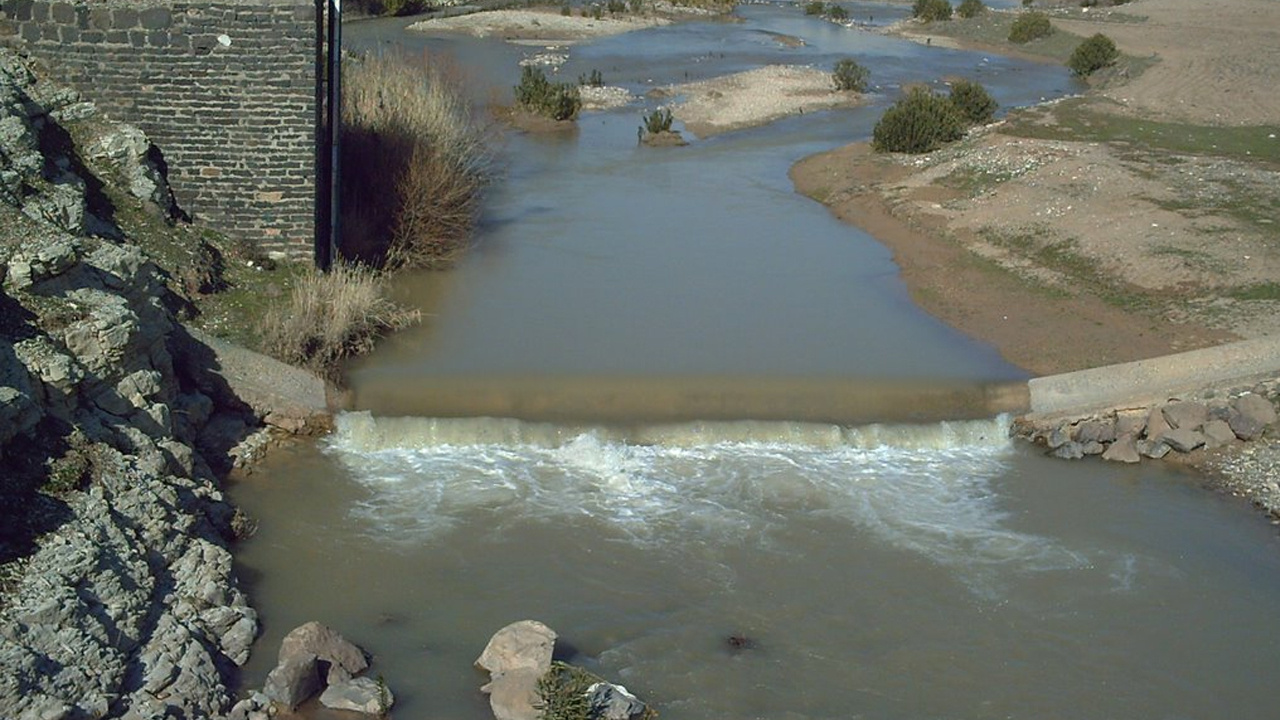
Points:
[(657, 399)]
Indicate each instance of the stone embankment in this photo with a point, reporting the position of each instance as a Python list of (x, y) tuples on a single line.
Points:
[(1214, 409), (117, 596)]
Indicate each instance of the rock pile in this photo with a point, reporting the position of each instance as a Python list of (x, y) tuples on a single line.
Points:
[(314, 657), (117, 597), (525, 684), (1179, 425)]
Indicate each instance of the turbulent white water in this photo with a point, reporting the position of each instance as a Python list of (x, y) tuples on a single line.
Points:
[(925, 489)]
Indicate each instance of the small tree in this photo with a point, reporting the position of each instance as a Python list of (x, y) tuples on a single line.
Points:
[(971, 8), (1092, 55), (1029, 26), (973, 102), (917, 123), (930, 10), (816, 7), (849, 75), (837, 13), (658, 121)]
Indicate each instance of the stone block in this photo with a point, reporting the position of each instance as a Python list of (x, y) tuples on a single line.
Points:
[(1184, 439), (123, 18), (63, 13), (1218, 433), (155, 18), (1124, 449)]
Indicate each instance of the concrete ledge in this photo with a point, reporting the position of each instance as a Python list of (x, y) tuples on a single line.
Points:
[(1152, 381), (282, 395)]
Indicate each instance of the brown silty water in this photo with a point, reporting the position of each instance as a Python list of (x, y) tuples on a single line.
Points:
[(666, 401)]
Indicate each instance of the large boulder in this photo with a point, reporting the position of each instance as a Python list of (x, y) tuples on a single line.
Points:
[(1249, 415), (517, 657), (362, 695), (294, 680), (612, 702), (523, 644), (340, 659)]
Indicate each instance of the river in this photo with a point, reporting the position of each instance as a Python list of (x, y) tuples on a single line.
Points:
[(885, 564)]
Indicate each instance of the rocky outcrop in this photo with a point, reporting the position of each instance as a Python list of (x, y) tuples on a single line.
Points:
[(1181, 425), (526, 684), (117, 596), (314, 657)]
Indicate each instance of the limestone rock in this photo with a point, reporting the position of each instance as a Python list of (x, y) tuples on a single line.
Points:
[(513, 695), (1154, 449), (1124, 449), (343, 659), (1130, 423), (294, 680), (362, 695), (523, 644), (1157, 425), (1249, 416), (1095, 431), (1184, 439), (1185, 415), (1218, 433), (1071, 450)]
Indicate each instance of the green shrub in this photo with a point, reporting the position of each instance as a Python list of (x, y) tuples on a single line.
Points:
[(617, 7), (816, 7), (971, 8), (332, 316), (930, 10), (558, 101), (919, 122), (566, 10), (595, 79), (658, 121), (414, 162), (1030, 26), (837, 13), (1092, 55), (849, 75), (973, 102)]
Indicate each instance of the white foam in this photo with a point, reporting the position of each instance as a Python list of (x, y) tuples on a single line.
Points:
[(924, 489)]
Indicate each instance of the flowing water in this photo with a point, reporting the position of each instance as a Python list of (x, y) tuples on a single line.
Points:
[(698, 358)]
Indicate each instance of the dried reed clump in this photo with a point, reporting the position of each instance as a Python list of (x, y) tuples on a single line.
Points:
[(415, 162), (332, 316)]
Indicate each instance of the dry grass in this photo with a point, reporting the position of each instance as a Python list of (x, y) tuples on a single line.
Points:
[(332, 316), (414, 162)]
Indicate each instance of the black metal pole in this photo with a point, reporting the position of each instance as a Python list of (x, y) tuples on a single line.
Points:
[(320, 250), (335, 127)]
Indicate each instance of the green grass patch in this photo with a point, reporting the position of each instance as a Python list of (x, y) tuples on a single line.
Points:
[(1060, 256), (1084, 119), (1259, 291), (974, 182)]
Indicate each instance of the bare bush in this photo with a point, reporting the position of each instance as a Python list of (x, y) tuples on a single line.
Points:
[(414, 162), (332, 316)]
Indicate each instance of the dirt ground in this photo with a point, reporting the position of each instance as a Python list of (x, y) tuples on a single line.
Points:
[(1138, 220)]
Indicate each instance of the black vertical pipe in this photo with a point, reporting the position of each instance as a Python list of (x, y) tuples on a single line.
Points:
[(335, 126), (320, 251)]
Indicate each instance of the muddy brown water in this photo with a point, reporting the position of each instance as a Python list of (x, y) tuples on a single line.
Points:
[(885, 547)]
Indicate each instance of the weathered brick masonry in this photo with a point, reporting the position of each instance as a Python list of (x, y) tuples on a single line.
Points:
[(226, 89)]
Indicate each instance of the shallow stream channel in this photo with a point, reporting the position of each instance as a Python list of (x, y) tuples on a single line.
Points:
[(884, 564)]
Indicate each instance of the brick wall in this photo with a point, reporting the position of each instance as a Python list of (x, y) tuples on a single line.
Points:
[(225, 88)]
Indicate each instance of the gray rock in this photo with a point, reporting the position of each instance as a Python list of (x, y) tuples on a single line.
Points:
[(523, 644), (1157, 425), (293, 681), (1185, 415), (1154, 449), (513, 695), (1184, 439), (343, 659), (1250, 415), (1069, 451), (1095, 431), (362, 695), (1093, 447), (1124, 450), (1059, 436), (1218, 433), (613, 702)]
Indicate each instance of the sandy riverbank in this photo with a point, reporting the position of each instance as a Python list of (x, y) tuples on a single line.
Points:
[(1073, 235), (755, 97), (539, 25)]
